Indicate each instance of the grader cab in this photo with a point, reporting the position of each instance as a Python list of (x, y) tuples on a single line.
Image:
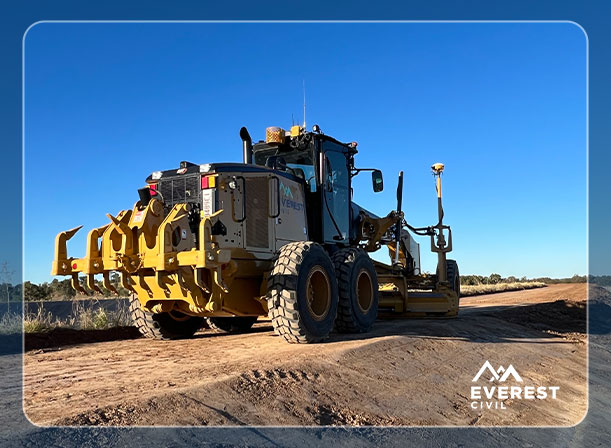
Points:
[(222, 244)]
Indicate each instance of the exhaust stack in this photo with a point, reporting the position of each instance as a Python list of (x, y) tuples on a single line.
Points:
[(246, 145)]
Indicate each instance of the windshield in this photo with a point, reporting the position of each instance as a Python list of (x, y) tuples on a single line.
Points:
[(299, 163)]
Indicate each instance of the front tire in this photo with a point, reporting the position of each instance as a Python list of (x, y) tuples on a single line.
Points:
[(172, 325), (302, 293), (453, 276), (358, 291)]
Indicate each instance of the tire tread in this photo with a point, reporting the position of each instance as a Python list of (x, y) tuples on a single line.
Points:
[(282, 294), (343, 260)]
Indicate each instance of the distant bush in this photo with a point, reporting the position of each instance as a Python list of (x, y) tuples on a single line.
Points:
[(474, 290)]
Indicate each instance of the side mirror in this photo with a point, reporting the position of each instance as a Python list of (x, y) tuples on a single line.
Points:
[(377, 181)]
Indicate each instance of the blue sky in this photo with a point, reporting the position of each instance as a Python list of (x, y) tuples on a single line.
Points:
[(502, 105)]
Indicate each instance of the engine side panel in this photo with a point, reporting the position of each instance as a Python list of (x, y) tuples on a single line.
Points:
[(291, 222)]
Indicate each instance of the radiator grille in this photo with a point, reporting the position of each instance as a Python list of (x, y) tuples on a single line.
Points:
[(257, 209), (179, 190)]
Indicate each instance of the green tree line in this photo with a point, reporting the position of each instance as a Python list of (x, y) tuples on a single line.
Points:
[(10, 291), (494, 279), (62, 289), (602, 280)]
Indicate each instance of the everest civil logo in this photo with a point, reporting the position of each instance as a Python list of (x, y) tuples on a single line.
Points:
[(286, 190), (497, 396), (496, 374)]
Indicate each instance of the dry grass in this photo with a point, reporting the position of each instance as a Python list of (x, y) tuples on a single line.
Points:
[(91, 318), (475, 290), (82, 318), (10, 323), (39, 321)]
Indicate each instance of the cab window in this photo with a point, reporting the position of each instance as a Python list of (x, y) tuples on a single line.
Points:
[(337, 192)]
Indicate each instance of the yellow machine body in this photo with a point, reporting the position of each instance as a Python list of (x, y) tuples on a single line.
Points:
[(169, 267), (203, 239)]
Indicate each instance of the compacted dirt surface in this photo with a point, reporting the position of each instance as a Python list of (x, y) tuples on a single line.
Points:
[(404, 372)]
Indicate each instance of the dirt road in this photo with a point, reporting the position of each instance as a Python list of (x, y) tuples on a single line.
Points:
[(405, 372)]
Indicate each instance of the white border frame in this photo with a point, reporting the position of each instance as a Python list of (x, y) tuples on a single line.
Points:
[(318, 22)]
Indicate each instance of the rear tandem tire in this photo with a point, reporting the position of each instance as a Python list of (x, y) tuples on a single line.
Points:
[(358, 291), (302, 293), (163, 325), (239, 324)]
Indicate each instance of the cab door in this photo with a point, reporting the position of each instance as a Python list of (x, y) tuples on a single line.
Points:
[(336, 194)]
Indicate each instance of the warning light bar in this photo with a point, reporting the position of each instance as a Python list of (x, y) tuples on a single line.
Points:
[(208, 182)]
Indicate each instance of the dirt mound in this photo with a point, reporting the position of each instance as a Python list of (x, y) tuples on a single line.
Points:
[(561, 317), (287, 395), (112, 416), (59, 337)]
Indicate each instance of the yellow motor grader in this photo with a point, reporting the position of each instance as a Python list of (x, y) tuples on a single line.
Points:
[(278, 235)]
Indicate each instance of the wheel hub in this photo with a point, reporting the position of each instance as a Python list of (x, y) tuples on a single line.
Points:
[(318, 293), (364, 291)]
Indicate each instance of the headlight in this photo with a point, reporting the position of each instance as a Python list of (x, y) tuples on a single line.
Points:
[(205, 168), (156, 175)]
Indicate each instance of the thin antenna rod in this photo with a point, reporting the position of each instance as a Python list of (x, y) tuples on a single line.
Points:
[(304, 105)]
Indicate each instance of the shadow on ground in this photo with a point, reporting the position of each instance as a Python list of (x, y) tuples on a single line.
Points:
[(549, 321), (59, 337)]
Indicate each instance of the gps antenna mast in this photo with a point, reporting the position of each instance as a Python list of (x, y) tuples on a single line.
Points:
[(304, 106)]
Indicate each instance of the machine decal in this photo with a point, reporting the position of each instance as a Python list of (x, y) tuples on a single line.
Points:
[(288, 203), (207, 201), (286, 190)]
